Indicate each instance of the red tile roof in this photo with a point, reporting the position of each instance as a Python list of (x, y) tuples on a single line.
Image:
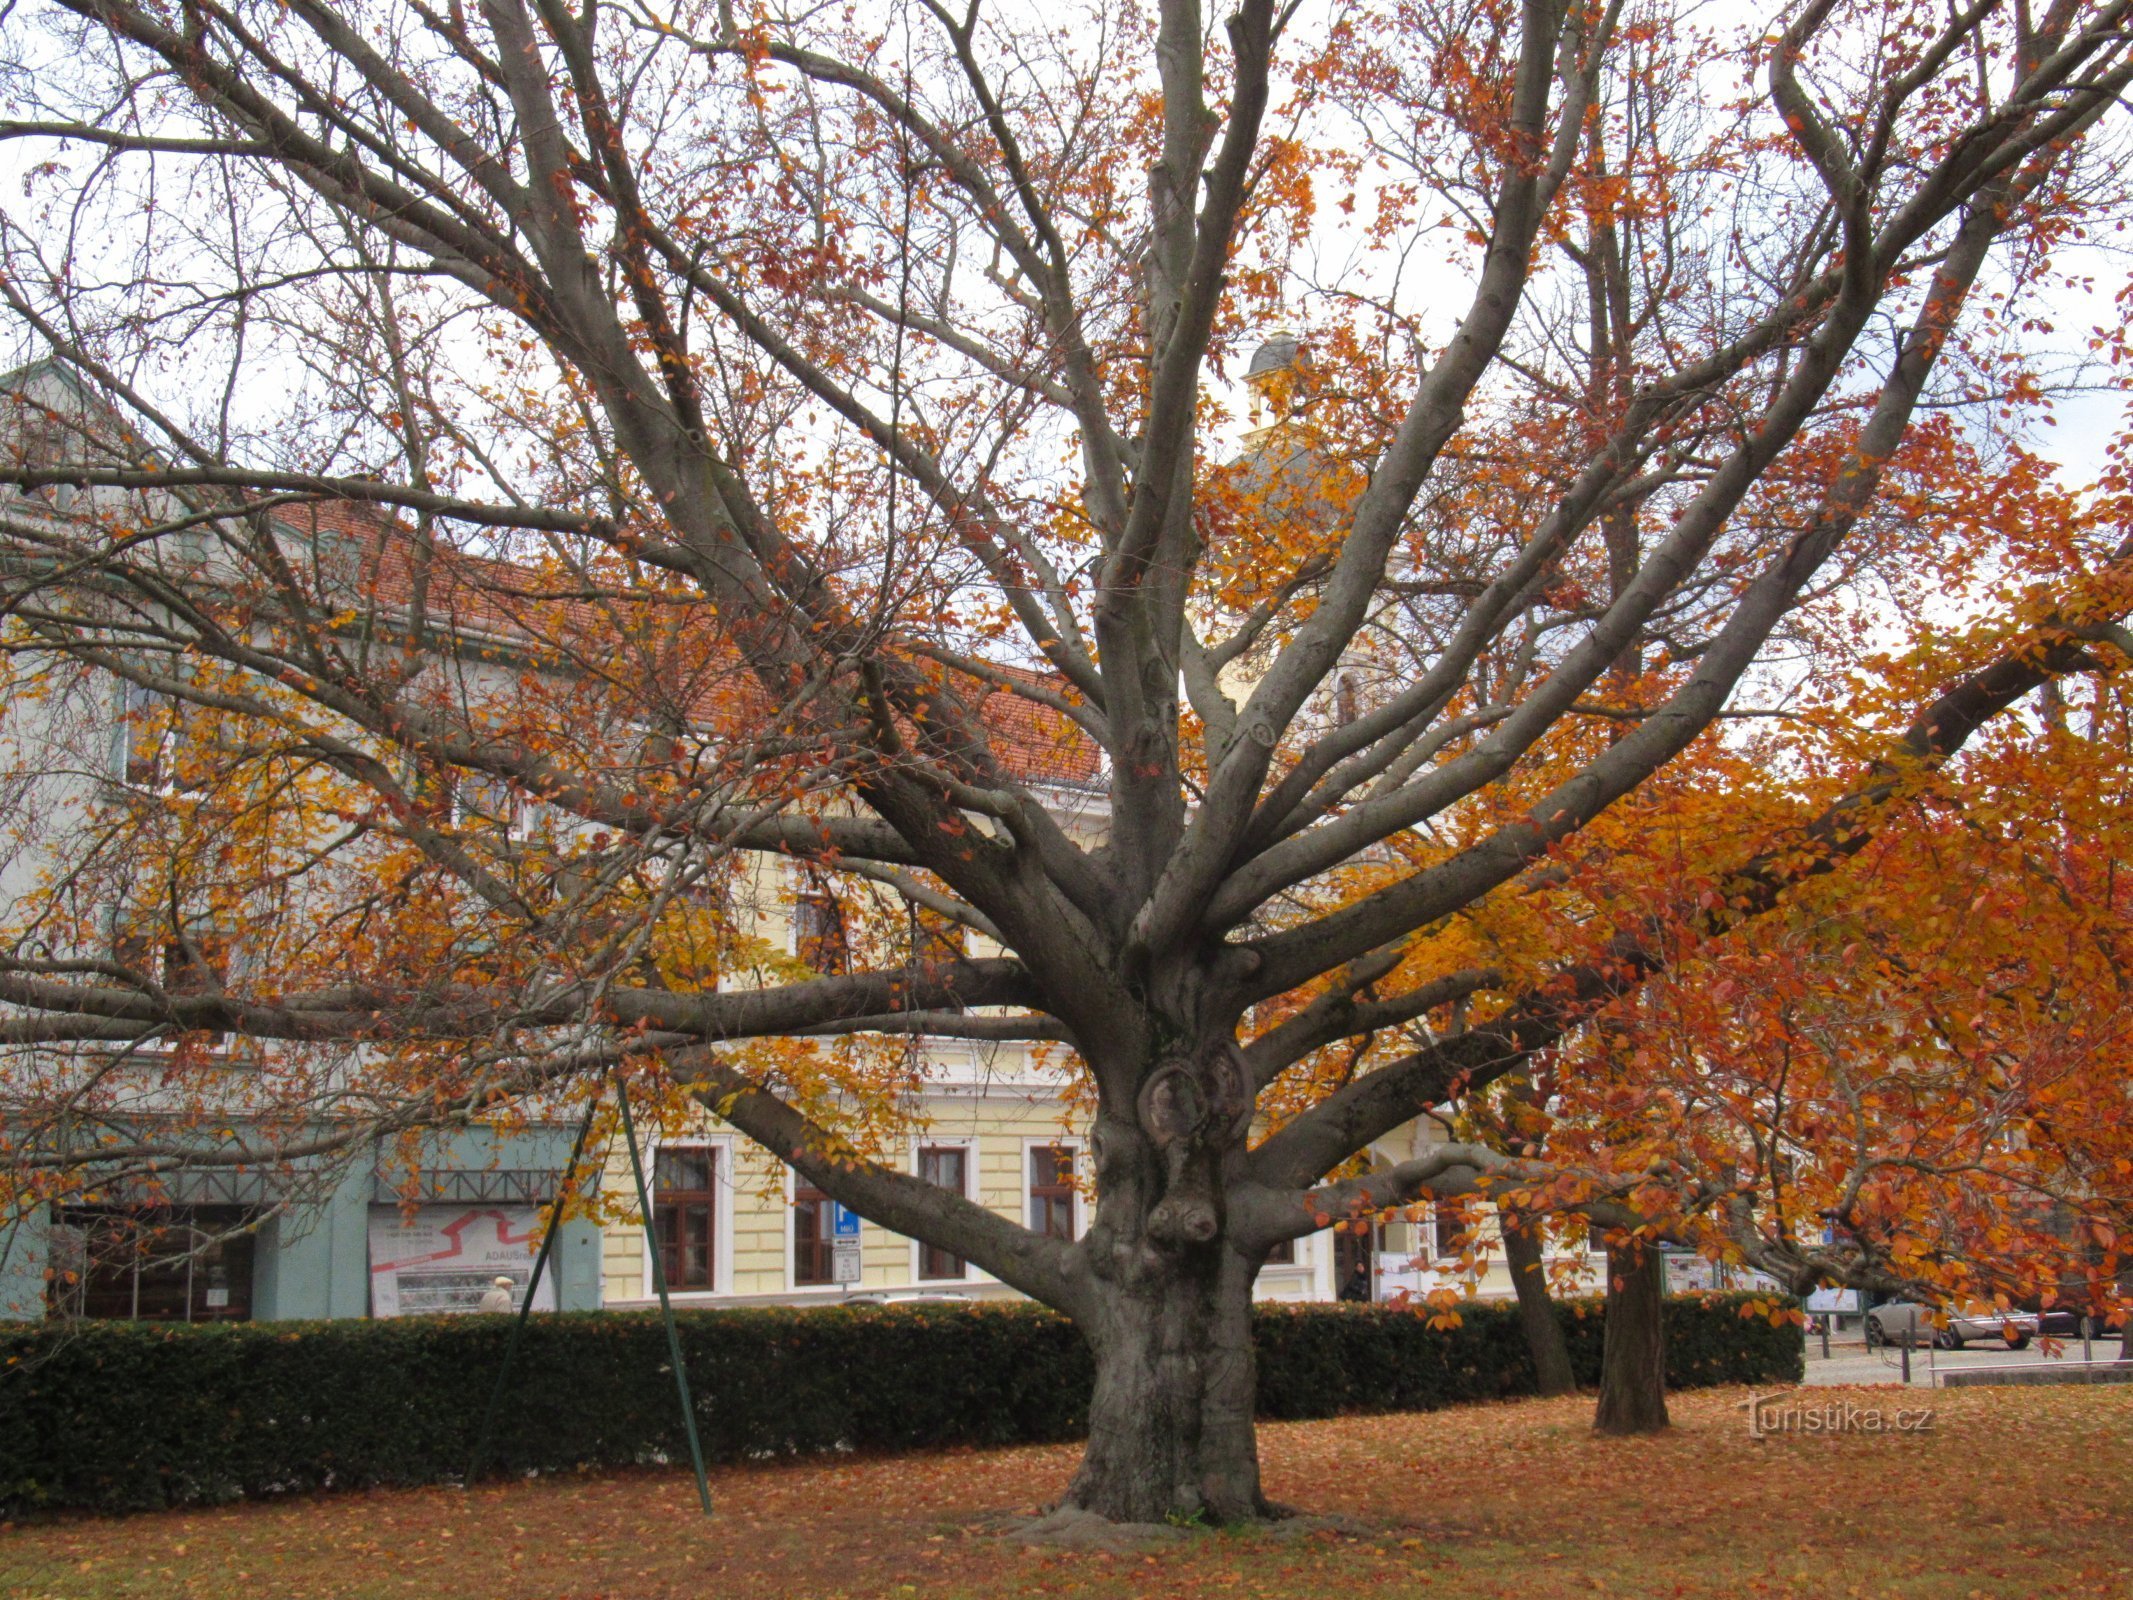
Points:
[(523, 604)]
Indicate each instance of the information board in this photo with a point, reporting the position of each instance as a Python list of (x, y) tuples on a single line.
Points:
[(445, 1258)]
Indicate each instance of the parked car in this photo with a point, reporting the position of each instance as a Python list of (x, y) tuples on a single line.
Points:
[(1907, 1322), (902, 1297), (2064, 1322)]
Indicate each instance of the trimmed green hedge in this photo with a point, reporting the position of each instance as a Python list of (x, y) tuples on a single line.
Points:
[(124, 1416), (1320, 1361)]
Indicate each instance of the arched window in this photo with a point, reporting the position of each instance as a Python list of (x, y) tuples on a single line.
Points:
[(1346, 701)]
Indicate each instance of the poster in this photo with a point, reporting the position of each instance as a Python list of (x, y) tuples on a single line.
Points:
[(1687, 1274), (444, 1258)]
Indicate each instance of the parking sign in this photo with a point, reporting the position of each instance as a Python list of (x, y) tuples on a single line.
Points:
[(844, 1244)]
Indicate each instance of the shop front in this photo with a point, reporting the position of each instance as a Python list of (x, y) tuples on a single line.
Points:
[(380, 1238)]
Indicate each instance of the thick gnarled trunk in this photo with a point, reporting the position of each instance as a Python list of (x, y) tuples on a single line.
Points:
[(1170, 1424)]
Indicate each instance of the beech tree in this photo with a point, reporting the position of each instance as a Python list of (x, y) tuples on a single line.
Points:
[(745, 433), (1919, 1061)]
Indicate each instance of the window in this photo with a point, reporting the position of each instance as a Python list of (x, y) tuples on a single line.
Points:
[(946, 1167), (1448, 1223), (141, 737), (186, 966), (483, 798), (1051, 1190), (41, 442), (156, 747), (936, 940), (1283, 1254), (818, 936), (1347, 703), (196, 963), (814, 1250), (171, 1264), (685, 1213), (660, 751), (462, 798), (1353, 1278)]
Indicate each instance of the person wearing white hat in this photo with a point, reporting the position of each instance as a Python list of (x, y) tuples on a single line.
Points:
[(499, 1296)]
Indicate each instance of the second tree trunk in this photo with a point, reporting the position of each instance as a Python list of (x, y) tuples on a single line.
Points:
[(1536, 1307), (1633, 1365)]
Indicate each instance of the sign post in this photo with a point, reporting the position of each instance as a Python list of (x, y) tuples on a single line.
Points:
[(844, 1244)]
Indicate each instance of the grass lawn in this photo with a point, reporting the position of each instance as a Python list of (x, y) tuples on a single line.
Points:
[(2023, 1492)]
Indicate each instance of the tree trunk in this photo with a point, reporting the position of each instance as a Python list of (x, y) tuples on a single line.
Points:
[(1633, 1367), (1170, 1423), (1536, 1307), (1170, 1420), (2125, 1334)]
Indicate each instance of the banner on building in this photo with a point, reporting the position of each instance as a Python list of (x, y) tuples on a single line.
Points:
[(445, 1258)]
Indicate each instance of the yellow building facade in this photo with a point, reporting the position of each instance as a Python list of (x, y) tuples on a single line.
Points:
[(740, 1228), (992, 1119)]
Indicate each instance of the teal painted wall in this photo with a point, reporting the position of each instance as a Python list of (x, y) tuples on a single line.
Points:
[(22, 1269), (314, 1260)]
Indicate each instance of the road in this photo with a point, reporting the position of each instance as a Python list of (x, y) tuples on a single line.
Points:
[(1850, 1362)]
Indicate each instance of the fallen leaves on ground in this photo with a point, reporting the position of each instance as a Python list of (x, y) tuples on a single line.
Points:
[(2025, 1491)]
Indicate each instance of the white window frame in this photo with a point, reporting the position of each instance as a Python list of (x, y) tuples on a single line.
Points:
[(722, 1184), (968, 1144), (524, 817), (138, 700), (1081, 1201), (232, 970)]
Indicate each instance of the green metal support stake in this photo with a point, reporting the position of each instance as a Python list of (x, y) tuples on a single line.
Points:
[(666, 1306), (525, 1309)]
